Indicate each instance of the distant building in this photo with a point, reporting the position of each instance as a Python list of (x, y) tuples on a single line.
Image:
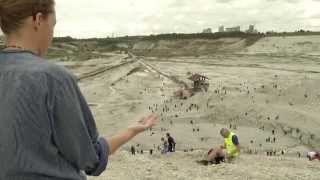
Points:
[(221, 29), (251, 29), (207, 31), (233, 29)]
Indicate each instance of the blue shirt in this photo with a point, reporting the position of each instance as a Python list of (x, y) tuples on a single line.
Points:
[(47, 131)]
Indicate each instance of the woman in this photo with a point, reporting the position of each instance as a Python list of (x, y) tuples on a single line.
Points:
[(47, 131)]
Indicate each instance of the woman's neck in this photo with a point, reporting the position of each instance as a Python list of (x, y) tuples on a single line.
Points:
[(21, 43)]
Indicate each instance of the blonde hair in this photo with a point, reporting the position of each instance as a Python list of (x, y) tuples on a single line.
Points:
[(14, 12)]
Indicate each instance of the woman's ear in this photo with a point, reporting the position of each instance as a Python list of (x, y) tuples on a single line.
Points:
[(37, 20)]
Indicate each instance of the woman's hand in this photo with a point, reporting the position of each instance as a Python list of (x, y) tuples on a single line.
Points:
[(120, 139), (145, 123)]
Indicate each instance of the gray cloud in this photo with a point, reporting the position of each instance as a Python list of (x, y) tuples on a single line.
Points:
[(289, 1), (315, 16), (96, 18), (224, 1), (177, 3), (135, 17)]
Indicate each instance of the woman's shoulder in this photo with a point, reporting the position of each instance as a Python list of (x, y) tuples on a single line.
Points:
[(54, 71), (36, 68)]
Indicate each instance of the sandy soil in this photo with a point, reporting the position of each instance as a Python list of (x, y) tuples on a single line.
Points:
[(258, 95), (287, 45), (182, 166)]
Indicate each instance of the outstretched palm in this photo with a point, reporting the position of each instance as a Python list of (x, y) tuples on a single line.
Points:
[(148, 122), (145, 123)]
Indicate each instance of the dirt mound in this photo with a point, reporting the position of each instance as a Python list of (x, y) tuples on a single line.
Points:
[(286, 45), (188, 47)]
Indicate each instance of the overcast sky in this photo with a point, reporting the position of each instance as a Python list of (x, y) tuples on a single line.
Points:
[(101, 18)]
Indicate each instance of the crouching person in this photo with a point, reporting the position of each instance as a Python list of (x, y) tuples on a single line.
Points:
[(231, 144)]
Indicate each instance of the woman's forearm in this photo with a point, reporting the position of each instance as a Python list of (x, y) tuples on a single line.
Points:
[(115, 142), (120, 139)]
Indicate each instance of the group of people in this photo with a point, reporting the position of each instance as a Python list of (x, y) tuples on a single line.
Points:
[(227, 152), (168, 145)]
